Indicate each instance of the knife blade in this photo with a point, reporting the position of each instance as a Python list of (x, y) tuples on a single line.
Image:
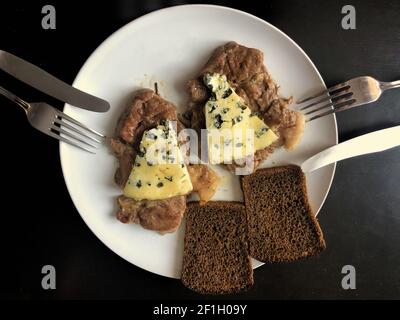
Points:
[(45, 82), (368, 143)]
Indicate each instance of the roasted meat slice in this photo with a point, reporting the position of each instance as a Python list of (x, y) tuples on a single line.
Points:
[(125, 154), (158, 215), (146, 109), (288, 124), (246, 73), (239, 63), (145, 112), (197, 91)]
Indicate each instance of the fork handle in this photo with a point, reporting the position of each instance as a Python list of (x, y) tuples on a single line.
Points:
[(390, 85), (23, 104)]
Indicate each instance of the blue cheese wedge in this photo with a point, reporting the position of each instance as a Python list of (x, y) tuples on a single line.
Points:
[(158, 171), (233, 132)]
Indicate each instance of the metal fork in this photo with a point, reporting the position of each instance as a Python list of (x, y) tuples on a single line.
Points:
[(57, 124), (344, 96)]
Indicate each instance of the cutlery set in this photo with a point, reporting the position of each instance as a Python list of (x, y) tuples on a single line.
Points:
[(47, 119)]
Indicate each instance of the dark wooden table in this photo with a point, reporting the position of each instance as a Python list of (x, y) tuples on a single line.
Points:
[(361, 216)]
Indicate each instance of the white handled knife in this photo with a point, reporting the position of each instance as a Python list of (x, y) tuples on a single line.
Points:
[(45, 82), (368, 143)]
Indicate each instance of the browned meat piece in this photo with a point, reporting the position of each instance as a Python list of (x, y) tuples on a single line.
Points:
[(146, 110), (197, 91), (204, 180), (159, 215), (197, 120), (278, 115), (260, 91), (245, 70), (288, 125), (240, 64), (126, 155)]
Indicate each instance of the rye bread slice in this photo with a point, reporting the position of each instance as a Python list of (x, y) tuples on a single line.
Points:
[(281, 224), (216, 258)]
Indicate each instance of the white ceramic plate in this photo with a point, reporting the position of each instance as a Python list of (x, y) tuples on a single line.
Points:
[(170, 46)]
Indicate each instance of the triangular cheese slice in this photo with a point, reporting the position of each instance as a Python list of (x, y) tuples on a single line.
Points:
[(233, 131), (158, 171)]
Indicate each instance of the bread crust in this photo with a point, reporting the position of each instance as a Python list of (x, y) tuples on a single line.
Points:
[(277, 218), (232, 272)]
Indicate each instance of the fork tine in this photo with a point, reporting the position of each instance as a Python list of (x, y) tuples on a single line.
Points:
[(66, 125), (58, 137), (333, 104), (338, 95), (71, 135), (77, 123), (337, 87), (341, 107)]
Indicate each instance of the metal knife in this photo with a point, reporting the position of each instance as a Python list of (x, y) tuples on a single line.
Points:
[(45, 82), (368, 143)]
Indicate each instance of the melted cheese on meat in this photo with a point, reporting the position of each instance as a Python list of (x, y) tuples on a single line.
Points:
[(233, 131), (158, 171)]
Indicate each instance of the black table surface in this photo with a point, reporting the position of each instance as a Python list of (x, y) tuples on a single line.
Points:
[(360, 218)]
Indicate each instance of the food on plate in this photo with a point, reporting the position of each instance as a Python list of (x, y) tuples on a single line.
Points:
[(125, 154), (234, 132), (204, 180), (237, 101), (152, 171), (159, 171), (216, 258), (281, 224), (146, 110), (246, 74), (276, 224), (158, 215)]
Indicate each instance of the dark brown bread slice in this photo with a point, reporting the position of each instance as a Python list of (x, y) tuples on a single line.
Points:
[(281, 225), (216, 258)]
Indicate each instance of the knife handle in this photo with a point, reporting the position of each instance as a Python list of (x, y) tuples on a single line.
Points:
[(47, 83), (368, 143)]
